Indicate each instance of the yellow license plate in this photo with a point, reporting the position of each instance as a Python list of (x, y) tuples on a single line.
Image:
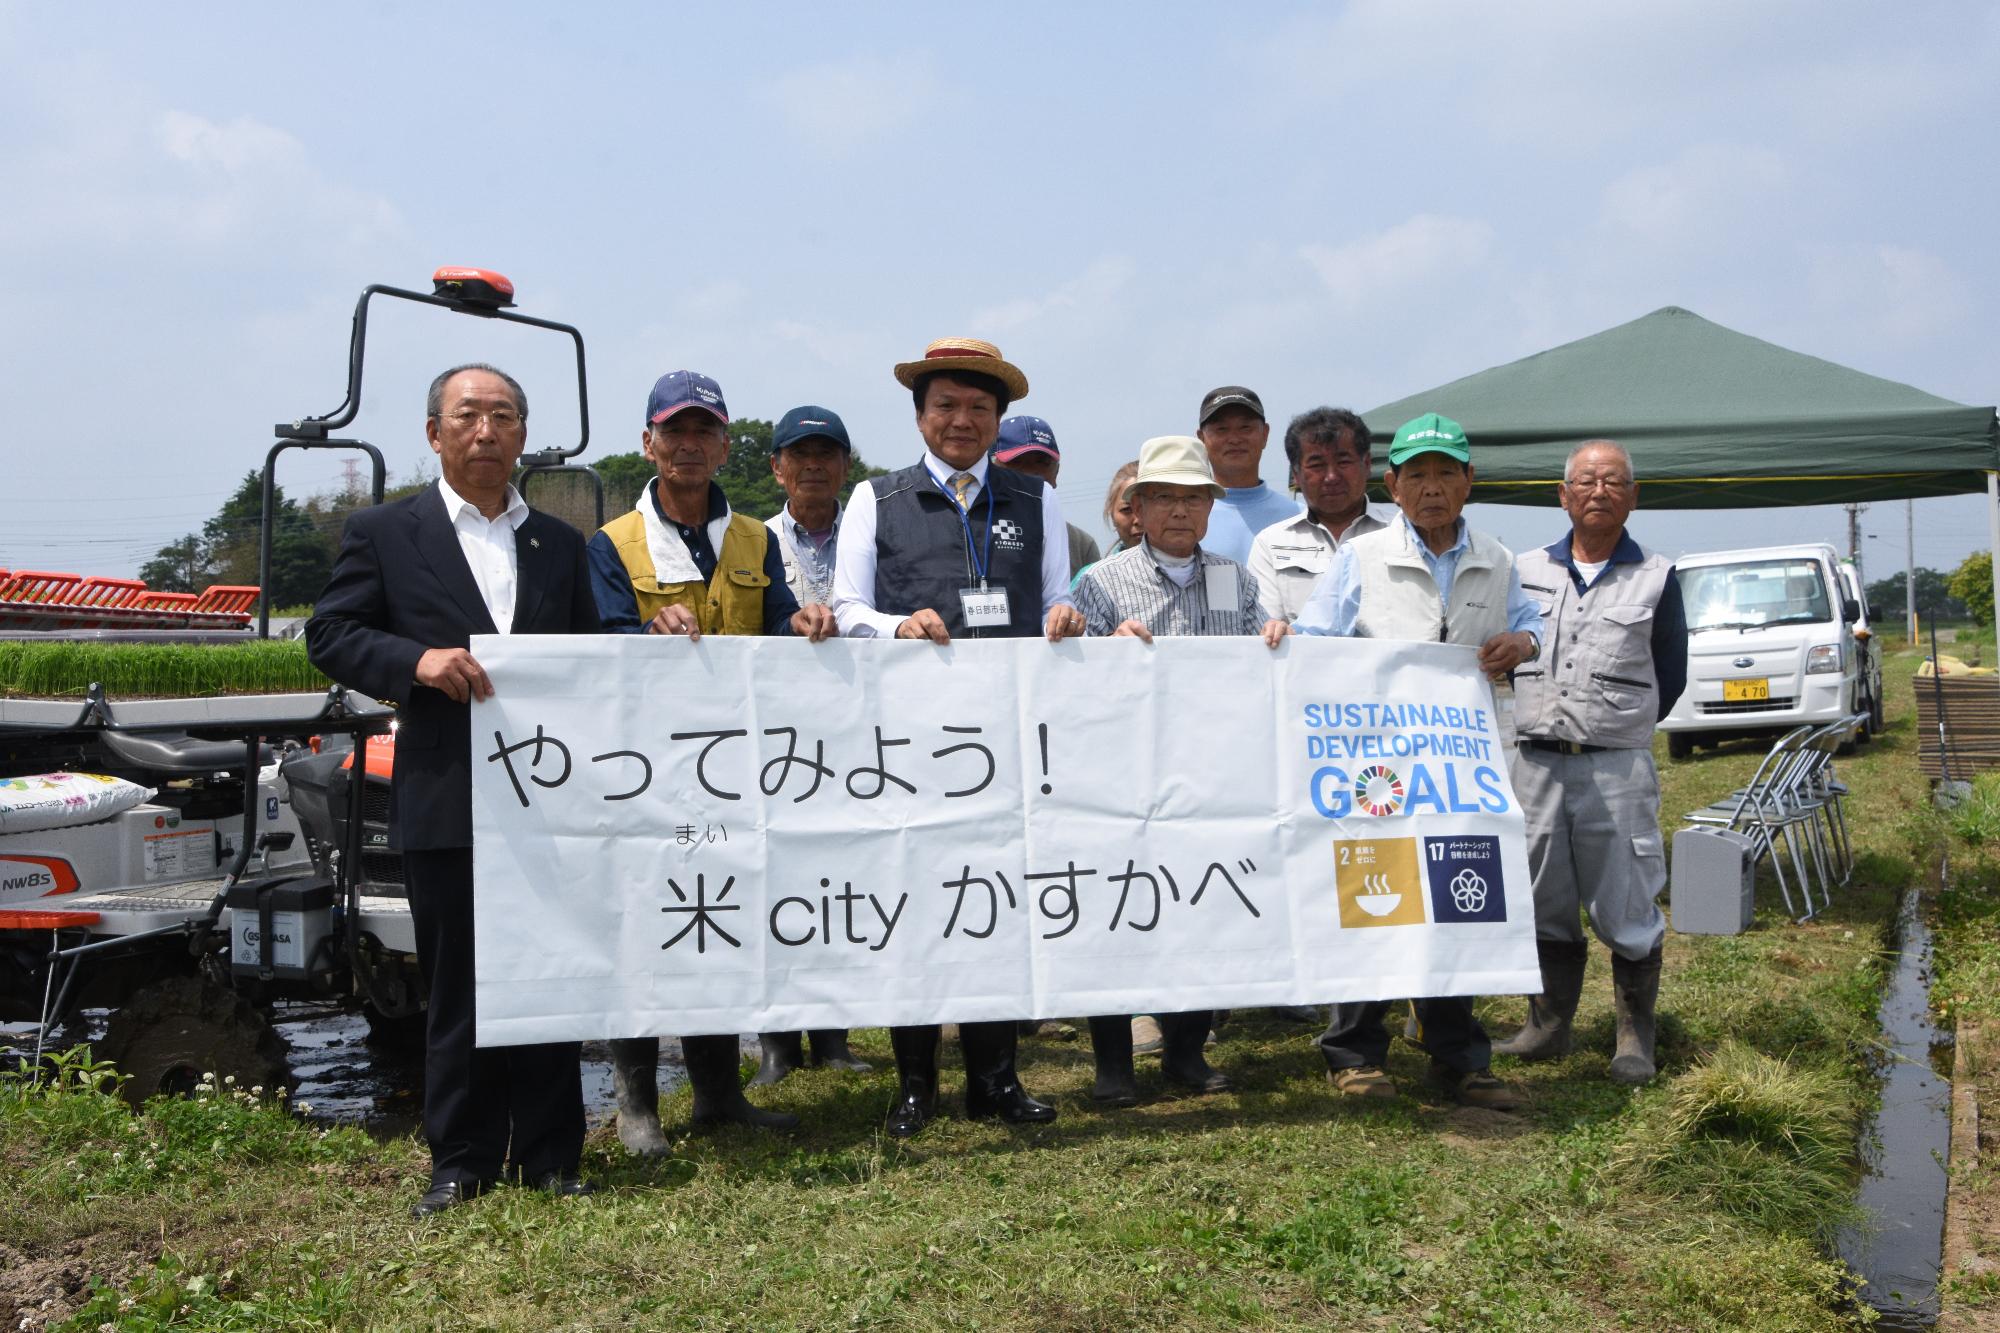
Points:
[(1746, 691)]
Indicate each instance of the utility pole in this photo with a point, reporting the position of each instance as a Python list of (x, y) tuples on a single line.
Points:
[(1854, 540)]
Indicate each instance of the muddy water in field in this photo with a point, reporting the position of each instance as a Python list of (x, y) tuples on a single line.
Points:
[(347, 1078), (1899, 1249)]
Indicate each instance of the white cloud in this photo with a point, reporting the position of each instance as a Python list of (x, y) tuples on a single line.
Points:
[(1364, 274), (1896, 292), (129, 175), (1706, 192), (1080, 297), (1561, 74), (243, 144), (839, 108)]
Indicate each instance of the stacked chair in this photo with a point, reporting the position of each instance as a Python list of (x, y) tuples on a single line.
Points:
[(1794, 798)]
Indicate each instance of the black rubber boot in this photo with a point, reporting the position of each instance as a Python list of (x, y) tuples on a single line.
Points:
[(778, 1054), (1181, 1060), (1635, 985), (718, 1091), (992, 1087), (635, 1079), (1111, 1043), (917, 1073), (1546, 1034), (830, 1051)]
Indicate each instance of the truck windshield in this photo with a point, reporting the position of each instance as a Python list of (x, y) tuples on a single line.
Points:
[(1755, 593)]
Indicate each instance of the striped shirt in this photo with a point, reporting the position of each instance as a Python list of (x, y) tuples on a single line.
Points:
[(1131, 586)]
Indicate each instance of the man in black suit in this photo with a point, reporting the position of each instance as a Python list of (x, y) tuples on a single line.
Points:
[(413, 582)]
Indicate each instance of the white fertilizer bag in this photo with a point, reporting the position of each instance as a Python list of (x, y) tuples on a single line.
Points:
[(59, 800)]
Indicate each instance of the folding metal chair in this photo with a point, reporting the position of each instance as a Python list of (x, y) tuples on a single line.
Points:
[(1756, 811)]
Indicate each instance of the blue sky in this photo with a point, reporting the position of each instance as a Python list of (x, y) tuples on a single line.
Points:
[(1338, 204)]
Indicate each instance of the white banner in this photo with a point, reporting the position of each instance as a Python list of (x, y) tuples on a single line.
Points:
[(745, 834)]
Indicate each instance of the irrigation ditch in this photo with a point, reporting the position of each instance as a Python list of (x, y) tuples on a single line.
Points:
[(1898, 1246)]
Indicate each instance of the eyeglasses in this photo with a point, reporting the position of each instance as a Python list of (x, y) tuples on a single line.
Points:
[(500, 418), (1598, 483)]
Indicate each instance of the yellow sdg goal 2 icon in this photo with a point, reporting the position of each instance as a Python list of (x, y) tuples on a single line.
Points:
[(1378, 883)]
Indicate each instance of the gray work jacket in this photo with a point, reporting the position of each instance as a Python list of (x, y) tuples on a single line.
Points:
[(1614, 655)]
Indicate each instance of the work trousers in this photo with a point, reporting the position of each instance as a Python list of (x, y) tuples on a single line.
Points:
[(1448, 1031), (1594, 846), (521, 1106)]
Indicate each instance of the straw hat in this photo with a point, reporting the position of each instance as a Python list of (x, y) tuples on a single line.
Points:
[(1173, 460), (969, 355)]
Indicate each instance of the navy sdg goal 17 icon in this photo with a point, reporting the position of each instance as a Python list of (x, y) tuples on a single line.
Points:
[(1465, 878)]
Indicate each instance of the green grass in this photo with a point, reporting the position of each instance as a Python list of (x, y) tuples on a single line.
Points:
[(1760, 1138), (1278, 1205), (60, 669)]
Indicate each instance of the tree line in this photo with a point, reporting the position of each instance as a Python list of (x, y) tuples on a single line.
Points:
[(304, 535), (1938, 595)]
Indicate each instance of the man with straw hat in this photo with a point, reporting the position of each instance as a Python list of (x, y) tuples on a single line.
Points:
[(952, 547), (1167, 584), (1427, 576)]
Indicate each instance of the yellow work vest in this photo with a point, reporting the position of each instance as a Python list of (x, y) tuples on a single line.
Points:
[(731, 603)]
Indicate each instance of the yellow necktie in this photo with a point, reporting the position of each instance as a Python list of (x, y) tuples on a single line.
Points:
[(961, 482)]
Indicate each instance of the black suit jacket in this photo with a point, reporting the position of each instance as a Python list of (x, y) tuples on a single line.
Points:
[(400, 587)]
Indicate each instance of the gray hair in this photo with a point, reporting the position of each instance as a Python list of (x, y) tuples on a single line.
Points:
[(434, 401), (1569, 464), (1326, 426)]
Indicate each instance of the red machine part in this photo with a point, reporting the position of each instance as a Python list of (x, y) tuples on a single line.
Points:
[(19, 920), (474, 286), (61, 874), (381, 761)]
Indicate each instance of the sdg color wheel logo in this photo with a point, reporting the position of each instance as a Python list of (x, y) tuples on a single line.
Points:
[(1378, 790)]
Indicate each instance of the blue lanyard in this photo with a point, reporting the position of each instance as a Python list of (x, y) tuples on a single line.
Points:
[(980, 563)]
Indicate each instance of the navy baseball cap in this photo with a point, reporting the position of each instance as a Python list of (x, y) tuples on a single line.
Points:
[(1024, 435), (808, 423), (678, 389)]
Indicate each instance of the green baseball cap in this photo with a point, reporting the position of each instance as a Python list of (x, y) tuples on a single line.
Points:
[(1429, 433)]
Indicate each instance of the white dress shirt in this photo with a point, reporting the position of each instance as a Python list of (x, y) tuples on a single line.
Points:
[(1288, 559), (488, 544), (854, 565)]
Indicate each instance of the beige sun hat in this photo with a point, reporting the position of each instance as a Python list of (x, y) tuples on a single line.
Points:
[(1174, 460), (969, 355)]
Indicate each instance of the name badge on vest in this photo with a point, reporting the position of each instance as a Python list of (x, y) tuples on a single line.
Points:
[(1219, 584), (984, 608)]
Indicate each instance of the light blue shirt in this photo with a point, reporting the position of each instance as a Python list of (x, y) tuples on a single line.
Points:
[(1336, 603), (1242, 513)]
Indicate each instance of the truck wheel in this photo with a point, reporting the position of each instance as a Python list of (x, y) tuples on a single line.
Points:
[(171, 1033), (1680, 745)]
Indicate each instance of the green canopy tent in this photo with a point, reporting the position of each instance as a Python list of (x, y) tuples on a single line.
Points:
[(1714, 419)]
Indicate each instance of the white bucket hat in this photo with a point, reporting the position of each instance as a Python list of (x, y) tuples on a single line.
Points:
[(1173, 460)]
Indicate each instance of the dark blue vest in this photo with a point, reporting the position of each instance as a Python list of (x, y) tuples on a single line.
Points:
[(921, 557)]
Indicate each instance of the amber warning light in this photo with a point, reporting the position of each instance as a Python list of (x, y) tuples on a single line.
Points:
[(473, 286)]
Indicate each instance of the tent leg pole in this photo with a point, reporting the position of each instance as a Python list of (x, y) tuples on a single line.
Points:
[(1910, 569), (1993, 530)]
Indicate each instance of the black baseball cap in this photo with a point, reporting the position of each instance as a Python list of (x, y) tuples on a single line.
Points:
[(1230, 395)]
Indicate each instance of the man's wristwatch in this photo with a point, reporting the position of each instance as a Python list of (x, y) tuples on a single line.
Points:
[(1534, 645)]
